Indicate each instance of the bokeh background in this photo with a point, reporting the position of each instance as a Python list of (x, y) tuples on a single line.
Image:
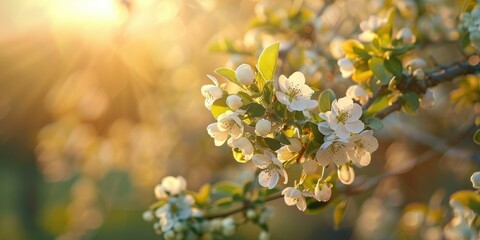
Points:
[(100, 99)]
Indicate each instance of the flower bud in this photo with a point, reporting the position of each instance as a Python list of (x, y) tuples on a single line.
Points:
[(346, 67), (322, 192), (419, 74), (475, 178), (234, 101), (264, 235), (406, 35), (251, 214), (358, 93), (417, 63), (245, 74), (228, 226), (346, 175), (263, 127), (148, 216)]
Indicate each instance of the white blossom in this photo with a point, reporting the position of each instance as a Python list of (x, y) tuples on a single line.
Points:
[(264, 235), (288, 152), (170, 186), (427, 100), (271, 167), (335, 152), (358, 93), (294, 93), (228, 124), (363, 145), (346, 175), (211, 92), (406, 35), (234, 101), (244, 145), (263, 127), (369, 27), (336, 47), (475, 179), (245, 74), (323, 192), (228, 226), (344, 117), (293, 196), (346, 67), (176, 209)]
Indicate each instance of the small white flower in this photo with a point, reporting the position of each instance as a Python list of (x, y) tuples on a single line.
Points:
[(335, 152), (228, 226), (294, 93), (369, 27), (234, 101), (176, 209), (264, 235), (170, 186), (263, 127), (293, 196), (288, 152), (244, 145), (428, 100), (344, 117), (211, 92), (271, 167), (148, 216), (358, 93), (346, 67), (406, 35), (475, 179), (336, 47), (245, 74), (346, 175), (323, 192), (228, 123), (363, 145)]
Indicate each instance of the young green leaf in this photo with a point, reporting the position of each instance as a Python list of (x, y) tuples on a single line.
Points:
[(377, 66), (229, 74), (325, 100), (272, 143), (374, 123), (339, 213), (476, 137), (219, 106), (394, 65), (410, 102), (254, 109), (267, 63), (226, 188)]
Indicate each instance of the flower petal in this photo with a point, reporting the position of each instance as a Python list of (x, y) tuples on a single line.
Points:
[(261, 161), (355, 127)]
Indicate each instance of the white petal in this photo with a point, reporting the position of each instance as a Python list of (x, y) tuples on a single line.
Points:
[(345, 103), (310, 104), (370, 143), (297, 105), (283, 98), (214, 80), (346, 175), (342, 131), (356, 112), (261, 161), (355, 127), (268, 178), (322, 158), (282, 82), (301, 204), (297, 78)]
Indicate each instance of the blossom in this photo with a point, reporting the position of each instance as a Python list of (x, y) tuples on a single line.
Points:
[(176, 209), (475, 179), (288, 152), (346, 175), (406, 35), (264, 235), (211, 92), (369, 27), (244, 145), (335, 152), (228, 226), (336, 47), (294, 93), (271, 167), (245, 74), (228, 123), (263, 127), (363, 145), (170, 186), (346, 67), (427, 100), (417, 63), (344, 117), (323, 192), (293, 196), (234, 101), (358, 93)]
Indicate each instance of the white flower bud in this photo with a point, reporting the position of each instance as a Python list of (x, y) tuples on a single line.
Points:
[(264, 235), (358, 93), (475, 178), (406, 35), (251, 214), (234, 101), (346, 67), (428, 100), (419, 74), (245, 74), (336, 47), (295, 145), (346, 175), (417, 63), (148, 216), (322, 192), (228, 226), (263, 127)]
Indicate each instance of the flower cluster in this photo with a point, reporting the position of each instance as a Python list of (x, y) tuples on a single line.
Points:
[(471, 25)]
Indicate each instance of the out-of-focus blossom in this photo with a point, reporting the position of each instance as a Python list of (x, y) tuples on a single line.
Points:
[(346, 67), (170, 186), (358, 93)]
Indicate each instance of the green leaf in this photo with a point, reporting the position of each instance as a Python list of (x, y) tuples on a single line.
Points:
[(325, 100), (314, 128), (374, 123), (267, 63), (476, 137), (219, 106), (229, 74), (312, 147), (226, 188), (410, 102), (268, 92), (378, 68), (254, 109), (394, 65), (282, 138), (314, 206), (468, 199), (203, 195), (246, 98), (272, 143), (339, 213), (361, 53), (224, 202)]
